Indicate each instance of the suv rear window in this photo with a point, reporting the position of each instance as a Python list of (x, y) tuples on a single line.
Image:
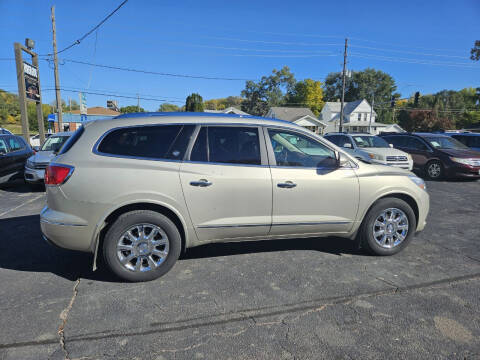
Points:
[(153, 142)]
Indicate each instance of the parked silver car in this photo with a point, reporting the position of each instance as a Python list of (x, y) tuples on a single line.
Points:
[(371, 148), (37, 163), (142, 188)]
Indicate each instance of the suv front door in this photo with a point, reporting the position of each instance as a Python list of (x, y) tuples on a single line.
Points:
[(226, 183), (311, 195)]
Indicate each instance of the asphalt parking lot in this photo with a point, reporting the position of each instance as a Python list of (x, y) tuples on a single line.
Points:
[(287, 299)]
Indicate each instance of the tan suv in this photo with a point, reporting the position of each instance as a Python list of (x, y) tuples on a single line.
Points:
[(142, 188)]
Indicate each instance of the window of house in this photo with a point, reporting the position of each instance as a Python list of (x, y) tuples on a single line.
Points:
[(297, 150), (155, 142), (227, 144), (359, 116)]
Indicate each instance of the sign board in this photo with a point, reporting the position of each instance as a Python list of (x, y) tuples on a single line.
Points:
[(32, 89), (83, 117), (51, 118), (83, 104)]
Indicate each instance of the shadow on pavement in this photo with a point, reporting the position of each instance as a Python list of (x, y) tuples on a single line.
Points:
[(23, 249), (19, 186), (331, 245)]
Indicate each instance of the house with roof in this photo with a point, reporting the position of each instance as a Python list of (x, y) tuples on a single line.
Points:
[(229, 110), (357, 117), (297, 115), (72, 120)]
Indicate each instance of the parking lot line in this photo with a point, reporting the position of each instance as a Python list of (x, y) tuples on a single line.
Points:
[(19, 206)]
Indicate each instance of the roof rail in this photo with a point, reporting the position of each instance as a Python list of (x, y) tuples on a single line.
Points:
[(196, 114)]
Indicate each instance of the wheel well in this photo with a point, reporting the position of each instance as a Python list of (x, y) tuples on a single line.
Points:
[(143, 206), (408, 199)]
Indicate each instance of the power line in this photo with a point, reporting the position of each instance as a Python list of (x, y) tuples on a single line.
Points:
[(408, 52), (154, 72), (118, 96), (414, 61), (78, 41)]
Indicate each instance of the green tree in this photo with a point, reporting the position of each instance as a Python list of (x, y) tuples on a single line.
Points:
[(307, 93), (364, 84), (194, 103), (132, 109), (475, 52), (166, 107), (269, 91)]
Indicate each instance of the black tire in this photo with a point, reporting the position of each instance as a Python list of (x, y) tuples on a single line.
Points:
[(434, 170), (366, 235), (128, 220)]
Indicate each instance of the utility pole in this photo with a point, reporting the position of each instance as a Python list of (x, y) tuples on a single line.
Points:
[(138, 102), (371, 114), (343, 85), (57, 80)]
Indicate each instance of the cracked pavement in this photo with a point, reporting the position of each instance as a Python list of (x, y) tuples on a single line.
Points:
[(285, 299)]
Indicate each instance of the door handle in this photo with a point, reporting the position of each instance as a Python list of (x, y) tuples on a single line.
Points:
[(201, 183), (286, 185)]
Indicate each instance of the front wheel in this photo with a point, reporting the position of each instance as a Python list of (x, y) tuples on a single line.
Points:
[(434, 170), (141, 245), (388, 227)]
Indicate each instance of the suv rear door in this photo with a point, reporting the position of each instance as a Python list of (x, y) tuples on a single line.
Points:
[(310, 196), (227, 184), (6, 161)]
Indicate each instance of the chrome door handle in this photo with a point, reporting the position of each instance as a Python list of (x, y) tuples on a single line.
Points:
[(201, 183), (286, 185)]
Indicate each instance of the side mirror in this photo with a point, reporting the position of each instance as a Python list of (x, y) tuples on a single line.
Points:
[(391, 145), (344, 161), (347, 145)]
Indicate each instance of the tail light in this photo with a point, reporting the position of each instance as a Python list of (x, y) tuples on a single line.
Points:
[(57, 174)]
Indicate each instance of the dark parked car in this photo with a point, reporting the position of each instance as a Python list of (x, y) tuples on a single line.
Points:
[(472, 140), (437, 155), (14, 152)]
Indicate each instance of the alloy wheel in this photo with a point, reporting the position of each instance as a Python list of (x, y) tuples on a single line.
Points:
[(143, 247), (390, 228)]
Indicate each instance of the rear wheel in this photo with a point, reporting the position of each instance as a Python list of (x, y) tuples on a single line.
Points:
[(434, 170), (141, 245), (388, 227)]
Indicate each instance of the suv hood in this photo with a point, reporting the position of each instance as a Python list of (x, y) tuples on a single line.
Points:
[(461, 153), (385, 151), (42, 157)]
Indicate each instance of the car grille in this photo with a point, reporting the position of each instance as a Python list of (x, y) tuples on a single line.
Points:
[(40, 165), (476, 162), (396, 158)]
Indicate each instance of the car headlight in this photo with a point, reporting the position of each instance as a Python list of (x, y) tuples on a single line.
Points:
[(376, 157), (470, 162), (419, 182), (30, 164)]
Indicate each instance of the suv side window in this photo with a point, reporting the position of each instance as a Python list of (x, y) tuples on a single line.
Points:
[(227, 144), (3, 147), (15, 144), (293, 149), (396, 141), (155, 142), (415, 144)]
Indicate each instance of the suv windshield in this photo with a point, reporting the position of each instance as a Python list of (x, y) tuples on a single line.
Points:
[(443, 142), (54, 143), (370, 142)]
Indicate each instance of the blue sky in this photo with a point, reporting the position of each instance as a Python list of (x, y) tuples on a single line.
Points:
[(424, 45)]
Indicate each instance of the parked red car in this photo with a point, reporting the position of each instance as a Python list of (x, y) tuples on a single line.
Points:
[(437, 155)]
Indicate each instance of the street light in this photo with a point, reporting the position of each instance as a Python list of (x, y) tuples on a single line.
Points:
[(29, 43)]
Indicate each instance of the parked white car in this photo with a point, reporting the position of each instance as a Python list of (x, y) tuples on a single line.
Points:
[(371, 148), (35, 140)]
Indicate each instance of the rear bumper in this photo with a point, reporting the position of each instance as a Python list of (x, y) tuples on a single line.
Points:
[(34, 176), (65, 230)]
